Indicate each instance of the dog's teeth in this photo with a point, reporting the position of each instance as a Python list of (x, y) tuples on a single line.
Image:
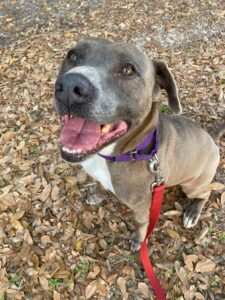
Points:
[(107, 128), (71, 151)]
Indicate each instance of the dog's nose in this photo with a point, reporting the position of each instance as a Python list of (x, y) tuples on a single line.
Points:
[(74, 88)]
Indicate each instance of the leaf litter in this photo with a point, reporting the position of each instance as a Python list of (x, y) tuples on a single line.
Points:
[(52, 244)]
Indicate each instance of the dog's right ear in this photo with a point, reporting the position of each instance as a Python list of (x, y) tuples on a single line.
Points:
[(164, 80)]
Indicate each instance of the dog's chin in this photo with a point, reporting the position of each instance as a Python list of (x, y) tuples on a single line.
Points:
[(81, 138)]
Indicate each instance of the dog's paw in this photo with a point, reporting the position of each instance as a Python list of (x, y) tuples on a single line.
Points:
[(93, 200), (135, 242), (191, 215)]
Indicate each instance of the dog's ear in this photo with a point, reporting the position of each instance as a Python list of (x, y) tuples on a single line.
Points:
[(164, 80)]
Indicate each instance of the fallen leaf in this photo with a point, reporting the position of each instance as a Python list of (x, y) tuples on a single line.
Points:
[(222, 200), (189, 260), (122, 285), (91, 289), (199, 296), (144, 289), (111, 279), (173, 233), (62, 274), (217, 186), (18, 215), (9, 20), (171, 213), (78, 245), (56, 296), (43, 282), (27, 237), (128, 270), (55, 193), (181, 273), (45, 193), (207, 265), (6, 190), (200, 236), (96, 270)]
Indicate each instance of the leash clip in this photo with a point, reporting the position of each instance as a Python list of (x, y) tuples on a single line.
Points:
[(155, 170)]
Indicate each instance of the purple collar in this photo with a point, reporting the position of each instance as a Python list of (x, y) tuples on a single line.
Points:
[(137, 154)]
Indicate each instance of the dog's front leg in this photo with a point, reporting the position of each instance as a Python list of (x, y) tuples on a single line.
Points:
[(95, 194), (141, 217)]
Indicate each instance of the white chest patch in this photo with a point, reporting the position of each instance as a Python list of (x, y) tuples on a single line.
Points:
[(97, 168)]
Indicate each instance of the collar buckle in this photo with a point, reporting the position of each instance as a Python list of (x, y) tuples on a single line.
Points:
[(133, 154)]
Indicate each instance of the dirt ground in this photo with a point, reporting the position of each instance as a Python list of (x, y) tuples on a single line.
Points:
[(52, 244)]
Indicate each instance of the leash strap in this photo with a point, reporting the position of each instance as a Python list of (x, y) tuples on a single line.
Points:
[(155, 208)]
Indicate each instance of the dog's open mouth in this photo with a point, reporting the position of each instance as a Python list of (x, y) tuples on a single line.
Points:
[(80, 137)]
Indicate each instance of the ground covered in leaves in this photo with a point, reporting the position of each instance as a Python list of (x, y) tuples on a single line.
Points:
[(52, 244)]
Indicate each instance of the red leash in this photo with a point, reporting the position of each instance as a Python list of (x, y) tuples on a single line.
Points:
[(155, 208)]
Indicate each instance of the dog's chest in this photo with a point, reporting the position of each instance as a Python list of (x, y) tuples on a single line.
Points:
[(97, 168)]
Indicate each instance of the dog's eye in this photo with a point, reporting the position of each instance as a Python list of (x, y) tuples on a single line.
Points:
[(72, 56), (128, 70)]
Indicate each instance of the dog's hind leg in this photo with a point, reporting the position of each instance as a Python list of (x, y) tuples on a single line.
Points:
[(198, 189)]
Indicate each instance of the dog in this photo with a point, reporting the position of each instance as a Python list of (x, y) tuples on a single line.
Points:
[(106, 96)]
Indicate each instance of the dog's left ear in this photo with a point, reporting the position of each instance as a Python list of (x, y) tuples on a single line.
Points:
[(164, 80)]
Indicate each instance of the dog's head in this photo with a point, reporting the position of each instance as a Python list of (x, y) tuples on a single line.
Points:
[(103, 90)]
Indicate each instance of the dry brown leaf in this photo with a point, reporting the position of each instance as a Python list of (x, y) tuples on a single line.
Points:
[(78, 245), (181, 273), (217, 186), (62, 274), (121, 281), (111, 279), (101, 213), (18, 215), (8, 136), (128, 270), (43, 282), (21, 145), (16, 224), (56, 296), (31, 271), (173, 233), (96, 270), (6, 190), (102, 290), (45, 193), (102, 243), (172, 213), (91, 289), (200, 236), (24, 251), (27, 237), (13, 294), (189, 260), (144, 289), (55, 193), (222, 200), (206, 265), (199, 296)]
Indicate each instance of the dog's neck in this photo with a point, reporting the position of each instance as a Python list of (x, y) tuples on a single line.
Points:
[(133, 138)]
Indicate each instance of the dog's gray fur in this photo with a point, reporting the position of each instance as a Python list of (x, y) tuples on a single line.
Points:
[(188, 155)]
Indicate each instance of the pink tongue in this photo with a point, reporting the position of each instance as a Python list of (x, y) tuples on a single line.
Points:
[(78, 133)]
